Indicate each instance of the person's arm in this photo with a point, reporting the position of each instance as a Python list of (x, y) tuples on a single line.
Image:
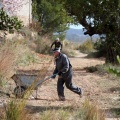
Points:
[(52, 44)]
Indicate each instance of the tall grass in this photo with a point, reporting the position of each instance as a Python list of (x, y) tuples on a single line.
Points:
[(13, 111), (90, 111)]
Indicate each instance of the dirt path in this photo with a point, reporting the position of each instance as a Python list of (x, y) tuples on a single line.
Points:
[(100, 89), (95, 87)]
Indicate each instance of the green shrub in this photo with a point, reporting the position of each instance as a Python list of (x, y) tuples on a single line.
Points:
[(100, 47), (115, 70), (15, 110), (87, 46), (91, 69)]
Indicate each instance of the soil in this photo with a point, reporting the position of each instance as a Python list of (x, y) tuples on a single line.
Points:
[(99, 88)]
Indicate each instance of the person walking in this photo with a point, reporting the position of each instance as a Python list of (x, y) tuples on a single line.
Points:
[(64, 70), (57, 44)]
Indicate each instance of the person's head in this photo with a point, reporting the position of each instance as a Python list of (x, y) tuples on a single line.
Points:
[(57, 39), (56, 52)]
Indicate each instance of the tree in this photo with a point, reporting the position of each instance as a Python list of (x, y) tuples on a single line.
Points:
[(99, 17), (51, 15)]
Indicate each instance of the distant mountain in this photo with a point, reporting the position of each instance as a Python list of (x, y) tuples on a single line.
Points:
[(77, 35)]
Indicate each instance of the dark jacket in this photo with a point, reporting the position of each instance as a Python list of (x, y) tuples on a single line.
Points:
[(63, 65), (57, 44)]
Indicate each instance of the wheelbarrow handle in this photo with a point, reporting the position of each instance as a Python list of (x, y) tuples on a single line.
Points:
[(46, 79), (50, 77)]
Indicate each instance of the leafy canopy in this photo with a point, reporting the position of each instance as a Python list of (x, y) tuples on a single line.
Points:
[(51, 15), (99, 17)]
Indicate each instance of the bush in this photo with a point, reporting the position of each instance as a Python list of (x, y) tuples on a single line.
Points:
[(100, 47), (15, 110), (87, 46), (115, 70), (42, 45)]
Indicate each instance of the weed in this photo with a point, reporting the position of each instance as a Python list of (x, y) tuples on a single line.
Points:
[(12, 111), (89, 111)]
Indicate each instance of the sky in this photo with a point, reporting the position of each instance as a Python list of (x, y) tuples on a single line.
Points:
[(76, 26)]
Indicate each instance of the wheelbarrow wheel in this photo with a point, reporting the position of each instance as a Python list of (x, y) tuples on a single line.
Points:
[(19, 91)]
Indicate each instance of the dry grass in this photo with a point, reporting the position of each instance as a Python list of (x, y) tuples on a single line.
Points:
[(90, 111), (42, 45), (55, 115), (87, 111), (11, 112), (15, 109), (7, 63), (6, 60), (12, 53)]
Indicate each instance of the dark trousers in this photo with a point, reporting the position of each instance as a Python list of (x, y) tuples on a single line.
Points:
[(68, 82)]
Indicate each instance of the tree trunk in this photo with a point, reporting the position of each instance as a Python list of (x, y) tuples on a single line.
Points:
[(113, 49)]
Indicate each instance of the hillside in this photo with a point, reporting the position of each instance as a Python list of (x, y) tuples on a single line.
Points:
[(77, 35)]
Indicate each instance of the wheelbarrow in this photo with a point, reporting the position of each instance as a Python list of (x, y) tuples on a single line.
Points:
[(24, 81)]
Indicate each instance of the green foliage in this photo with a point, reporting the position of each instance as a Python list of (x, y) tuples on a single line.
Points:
[(115, 70), (87, 46), (60, 35), (100, 46), (118, 58), (91, 69), (12, 111), (8, 23), (51, 15), (105, 20), (96, 21)]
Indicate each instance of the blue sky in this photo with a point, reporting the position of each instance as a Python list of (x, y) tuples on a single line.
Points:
[(76, 26)]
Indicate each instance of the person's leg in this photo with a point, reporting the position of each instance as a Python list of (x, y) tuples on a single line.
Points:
[(70, 86), (60, 89)]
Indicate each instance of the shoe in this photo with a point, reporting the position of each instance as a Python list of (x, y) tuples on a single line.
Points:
[(61, 98)]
